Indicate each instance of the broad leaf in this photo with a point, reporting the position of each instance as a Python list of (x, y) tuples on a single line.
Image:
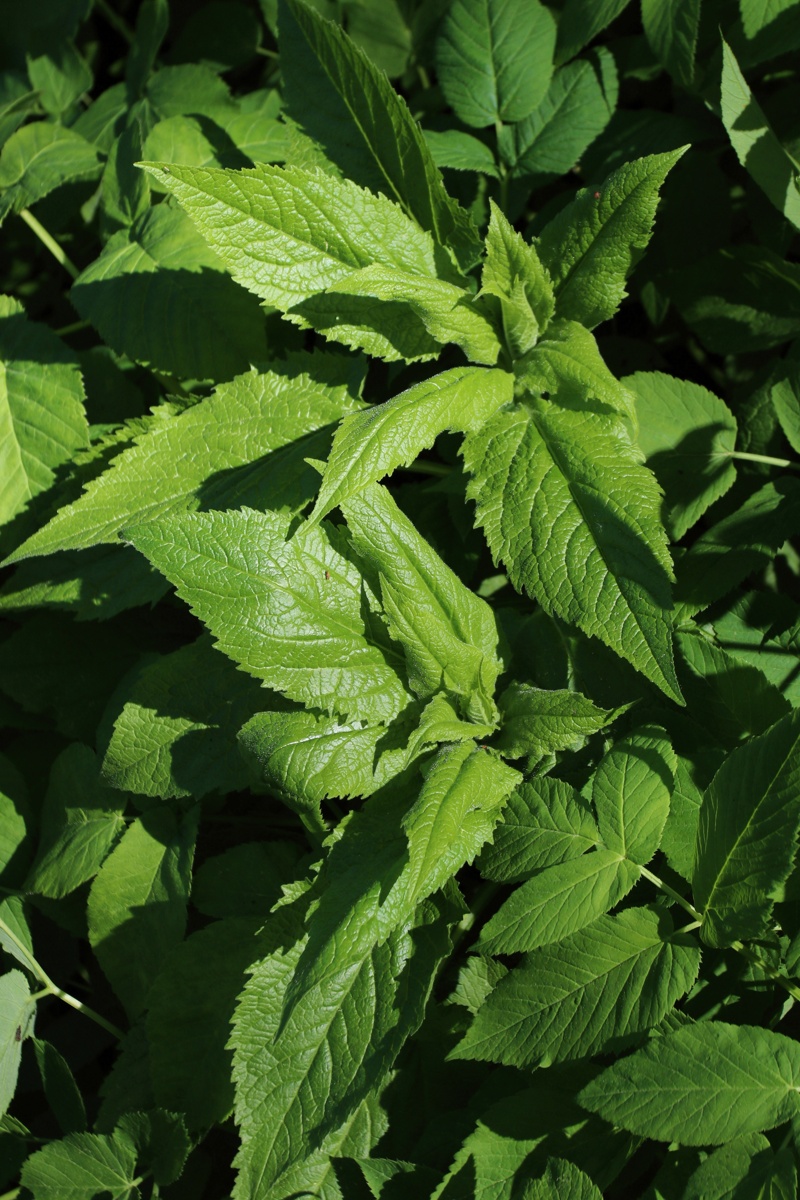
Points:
[(461, 151), (687, 435), (631, 791), (586, 994), (369, 445), (702, 1085), (176, 733), (60, 77), (291, 613), (672, 28), (137, 904), (562, 1178), (245, 445), (733, 700), (594, 243), (345, 103), (39, 158), (448, 634), (82, 1165), (540, 721), (494, 58), (567, 508), (94, 584), (42, 418), (15, 816), (17, 1009), (747, 1166), (558, 901), (757, 148), (545, 822), (747, 834), (582, 20), (159, 295)]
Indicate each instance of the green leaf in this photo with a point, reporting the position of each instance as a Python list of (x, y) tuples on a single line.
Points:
[(40, 157), (448, 634), (680, 832), (14, 818), (475, 981), (785, 395), (687, 434), (582, 20), (594, 243), (671, 28), (246, 880), (747, 834), (289, 612), (161, 1141), (15, 935), (584, 995), (125, 190), (176, 734), (558, 901), (702, 1085), (738, 545), (341, 100), (460, 151), (190, 89), (631, 792), (755, 143), (60, 77), (190, 1007), (300, 1080), (42, 418), (369, 445), (95, 584), (83, 1165), (152, 22), (191, 320), (16, 1022), (538, 721), (60, 1088), (768, 28), (580, 102), (573, 516), (81, 821), (494, 58), (562, 1178), (734, 700), (220, 34), (16, 102), (740, 1167), (137, 904), (545, 822), (244, 445), (513, 274)]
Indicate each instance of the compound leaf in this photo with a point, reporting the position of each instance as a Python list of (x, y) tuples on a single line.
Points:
[(539, 721), (545, 822)]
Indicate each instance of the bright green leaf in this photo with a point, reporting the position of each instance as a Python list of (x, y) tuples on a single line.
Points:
[(631, 791), (538, 721), (545, 822), (83, 1165), (16, 1022), (39, 158)]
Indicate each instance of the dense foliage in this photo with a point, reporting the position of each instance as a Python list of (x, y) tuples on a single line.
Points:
[(399, 645)]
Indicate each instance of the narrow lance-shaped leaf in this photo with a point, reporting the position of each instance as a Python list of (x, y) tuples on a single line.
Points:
[(292, 613), (594, 243), (341, 100), (702, 1085), (574, 517), (513, 274), (616, 978), (448, 634), (369, 445), (747, 835)]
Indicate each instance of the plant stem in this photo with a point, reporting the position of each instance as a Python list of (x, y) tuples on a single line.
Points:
[(65, 331), (12, 1195), (779, 978), (669, 891), (47, 240), (52, 989), (421, 466), (262, 50), (763, 458), (115, 20)]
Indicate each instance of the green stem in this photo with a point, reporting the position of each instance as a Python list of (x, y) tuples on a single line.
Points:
[(12, 1195), (669, 891), (421, 466), (777, 976), (52, 989), (265, 53), (763, 458), (115, 20), (47, 240), (75, 327)]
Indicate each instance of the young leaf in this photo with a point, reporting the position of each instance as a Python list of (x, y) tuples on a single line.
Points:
[(159, 295), (757, 148), (631, 791), (369, 445), (747, 834), (514, 275), (288, 612), (176, 734), (539, 721), (448, 634), (137, 904), (579, 104), (339, 98), (687, 435), (246, 444), (494, 58), (594, 243), (582, 20), (557, 901), (42, 418), (617, 978), (82, 1165), (81, 820), (39, 158), (702, 1085), (566, 507), (545, 822), (16, 1021)]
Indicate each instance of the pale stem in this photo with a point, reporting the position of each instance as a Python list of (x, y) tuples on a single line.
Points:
[(664, 887), (763, 458), (65, 331), (47, 240)]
